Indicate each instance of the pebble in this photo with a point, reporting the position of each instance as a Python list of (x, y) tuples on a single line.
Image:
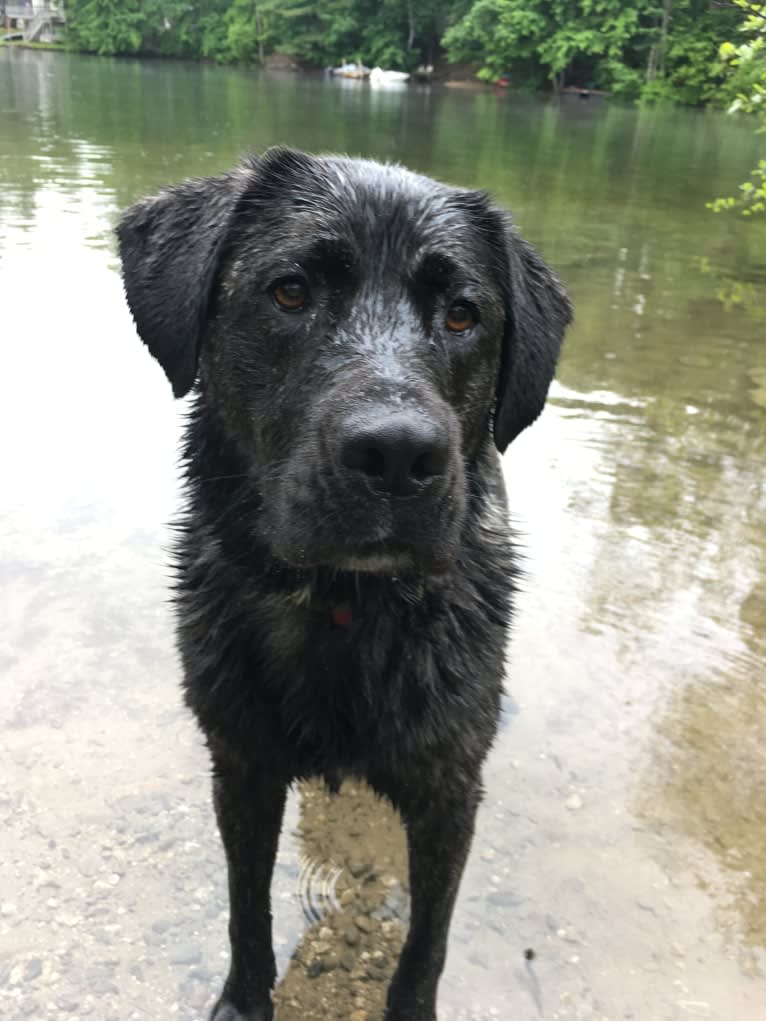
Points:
[(69, 920), (33, 969), (347, 961), (574, 802), (503, 899), (358, 869), (186, 955), (351, 936)]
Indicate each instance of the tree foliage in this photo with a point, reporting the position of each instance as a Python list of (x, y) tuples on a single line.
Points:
[(651, 49), (635, 49), (747, 64), (105, 26)]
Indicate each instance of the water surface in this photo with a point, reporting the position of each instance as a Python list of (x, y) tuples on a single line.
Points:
[(622, 835)]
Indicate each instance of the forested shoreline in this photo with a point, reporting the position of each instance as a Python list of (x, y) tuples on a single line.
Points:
[(634, 49)]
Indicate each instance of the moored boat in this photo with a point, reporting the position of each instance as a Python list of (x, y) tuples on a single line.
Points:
[(380, 77)]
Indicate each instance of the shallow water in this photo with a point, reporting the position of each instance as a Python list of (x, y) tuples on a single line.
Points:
[(623, 831)]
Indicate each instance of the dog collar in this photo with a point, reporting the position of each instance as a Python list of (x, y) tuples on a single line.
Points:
[(343, 615)]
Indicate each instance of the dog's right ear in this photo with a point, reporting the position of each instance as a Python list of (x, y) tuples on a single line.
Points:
[(171, 247)]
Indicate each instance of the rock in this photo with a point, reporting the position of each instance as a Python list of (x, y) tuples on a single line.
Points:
[(33, 969), (280, 62), (503, 899), (186, 955), (358, 869), (347, 961), (351, 936)]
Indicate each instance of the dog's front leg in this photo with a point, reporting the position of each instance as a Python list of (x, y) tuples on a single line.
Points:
[(249, 806), (439, 834)]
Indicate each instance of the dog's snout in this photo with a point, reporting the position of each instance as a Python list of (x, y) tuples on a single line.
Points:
[(398, 453)]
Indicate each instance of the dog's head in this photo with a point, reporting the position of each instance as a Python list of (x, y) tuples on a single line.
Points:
[(358, 331)]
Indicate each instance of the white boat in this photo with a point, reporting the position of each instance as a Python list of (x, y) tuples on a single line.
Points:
[(380, 77)]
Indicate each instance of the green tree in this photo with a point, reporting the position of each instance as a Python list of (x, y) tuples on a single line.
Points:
[(105, 26), (589, 42), (747, 62), (642, 48), (682, 61)]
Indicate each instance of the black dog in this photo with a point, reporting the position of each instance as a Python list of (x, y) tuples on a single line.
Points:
[(362, 339)]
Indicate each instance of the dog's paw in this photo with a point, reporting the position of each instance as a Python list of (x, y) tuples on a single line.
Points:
[(405, 1004), (406, 1014), (408, 1011), (225, 1011)]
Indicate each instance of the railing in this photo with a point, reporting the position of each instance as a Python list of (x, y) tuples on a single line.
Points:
[(30, 11), (35, 27)]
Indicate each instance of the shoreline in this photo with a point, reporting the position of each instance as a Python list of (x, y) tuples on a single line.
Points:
[(452, 75)]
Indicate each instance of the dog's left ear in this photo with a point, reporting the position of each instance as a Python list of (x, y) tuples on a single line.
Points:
[(171, 247), (537, 312)]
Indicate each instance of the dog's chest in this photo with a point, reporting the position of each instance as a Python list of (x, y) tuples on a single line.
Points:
[(362, 683)]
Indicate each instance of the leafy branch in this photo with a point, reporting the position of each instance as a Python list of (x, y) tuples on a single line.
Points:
[(748, 60)]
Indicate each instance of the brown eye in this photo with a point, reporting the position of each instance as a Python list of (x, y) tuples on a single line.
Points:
[(290, 295), (460, 317)]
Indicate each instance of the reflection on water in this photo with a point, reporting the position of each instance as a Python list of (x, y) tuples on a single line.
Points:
[(352, 888), (709, 785), (621, 838)]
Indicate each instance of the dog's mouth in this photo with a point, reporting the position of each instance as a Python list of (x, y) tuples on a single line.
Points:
[(385, 558), (377, 563), (368, 558)]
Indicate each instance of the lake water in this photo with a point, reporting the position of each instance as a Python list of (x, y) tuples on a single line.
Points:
[(623, 834)]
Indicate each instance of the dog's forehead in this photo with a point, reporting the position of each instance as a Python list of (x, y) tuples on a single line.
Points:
[(378, 205), (388, 191), (402, 209)]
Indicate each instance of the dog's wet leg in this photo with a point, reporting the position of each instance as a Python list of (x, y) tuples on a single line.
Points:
[(249, 806), (439, 834)]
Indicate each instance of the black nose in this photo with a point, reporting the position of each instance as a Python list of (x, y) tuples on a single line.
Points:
[(398, 453)]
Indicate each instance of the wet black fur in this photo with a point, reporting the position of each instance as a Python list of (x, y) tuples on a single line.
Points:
[(277, 534)]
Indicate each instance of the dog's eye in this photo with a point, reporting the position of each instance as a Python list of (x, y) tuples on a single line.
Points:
[(460, 317), (291, 295)]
